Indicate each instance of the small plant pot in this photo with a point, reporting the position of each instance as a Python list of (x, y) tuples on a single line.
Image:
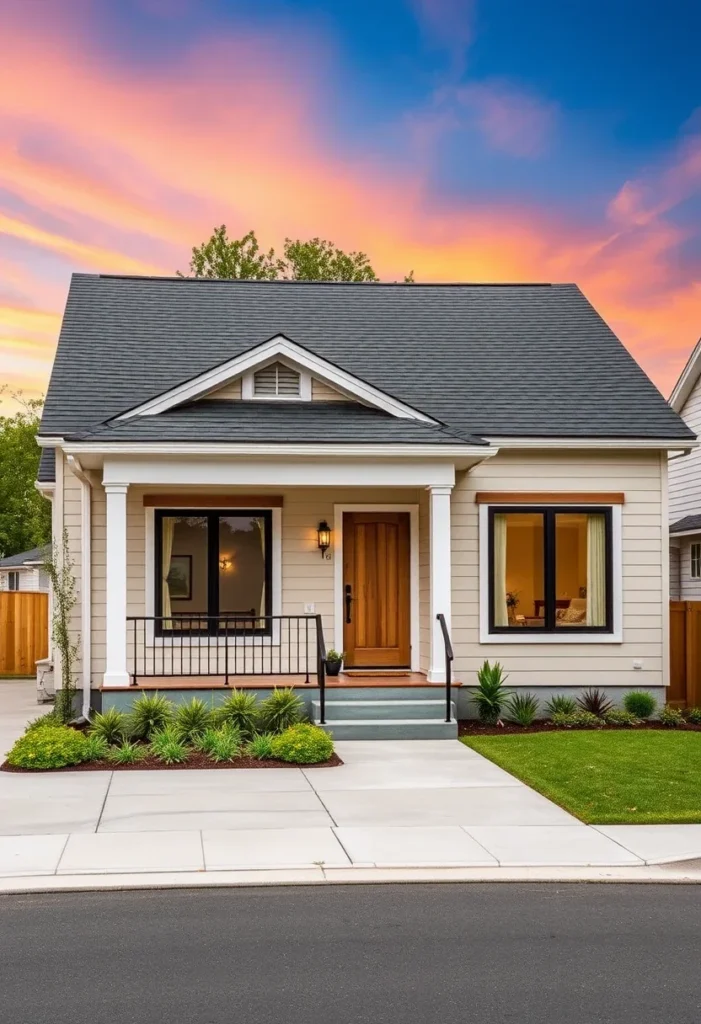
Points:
[(333, 667)]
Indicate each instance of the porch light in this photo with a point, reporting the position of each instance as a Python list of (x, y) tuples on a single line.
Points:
[(323, 537), (225, 564)]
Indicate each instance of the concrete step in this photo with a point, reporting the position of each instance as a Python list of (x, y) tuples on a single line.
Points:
[(392, 729), (370, 710), (383, 693)]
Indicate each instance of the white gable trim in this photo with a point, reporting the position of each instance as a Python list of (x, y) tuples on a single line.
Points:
[(687, 380), (300, 358)]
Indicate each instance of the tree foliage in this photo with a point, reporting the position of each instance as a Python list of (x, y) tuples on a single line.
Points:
[(314, 260), (25, 516)]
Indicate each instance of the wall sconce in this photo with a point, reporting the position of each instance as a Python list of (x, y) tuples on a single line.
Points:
[(225, 564), (323, 537)]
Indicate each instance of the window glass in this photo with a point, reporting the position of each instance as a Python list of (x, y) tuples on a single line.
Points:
[(242, 565), (695, 561), (519, 590), (184, 569), (13, 582), (580, 569)]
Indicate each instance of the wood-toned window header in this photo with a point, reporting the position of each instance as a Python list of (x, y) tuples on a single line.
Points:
[(213, 500), (549, 498)]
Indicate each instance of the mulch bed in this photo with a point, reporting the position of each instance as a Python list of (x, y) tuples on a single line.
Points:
[(195, 760), (468, 727)]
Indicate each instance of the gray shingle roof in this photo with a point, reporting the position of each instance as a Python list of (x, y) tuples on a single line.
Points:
[(686, 525), (518, 360), (35, 555), (306, 422), (47, 466)]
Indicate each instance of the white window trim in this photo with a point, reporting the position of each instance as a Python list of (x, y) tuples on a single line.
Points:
[(248, 385), (11, 573), (276, 348), (337, 548), (615, 637), (211, 641), (694, 575)]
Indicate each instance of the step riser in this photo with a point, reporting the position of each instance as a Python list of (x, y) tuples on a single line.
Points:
[(365, 693), (369, 711), (390, 731)]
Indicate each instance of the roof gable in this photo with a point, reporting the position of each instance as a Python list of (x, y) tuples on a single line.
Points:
[(277, 349)]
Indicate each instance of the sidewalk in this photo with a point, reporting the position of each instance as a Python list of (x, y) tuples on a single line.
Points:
[(394, 810)]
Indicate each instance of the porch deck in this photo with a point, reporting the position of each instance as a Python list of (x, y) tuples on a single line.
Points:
[(376, 679)]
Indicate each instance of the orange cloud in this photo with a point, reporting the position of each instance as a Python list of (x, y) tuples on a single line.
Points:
[(134, 166)]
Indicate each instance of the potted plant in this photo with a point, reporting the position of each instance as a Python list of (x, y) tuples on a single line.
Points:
[(334, 660)]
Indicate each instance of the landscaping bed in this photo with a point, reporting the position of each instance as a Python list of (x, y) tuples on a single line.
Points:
[(194, 761), (644, 775), (473, 727)]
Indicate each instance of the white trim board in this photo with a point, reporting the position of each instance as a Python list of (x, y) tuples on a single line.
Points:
[(276, 348), (337, 548), (616, 637)]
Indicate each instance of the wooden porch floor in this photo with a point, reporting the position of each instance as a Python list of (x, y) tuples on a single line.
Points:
[(265, 682)]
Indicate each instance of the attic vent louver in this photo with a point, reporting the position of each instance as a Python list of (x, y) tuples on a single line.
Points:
[(276, 381)]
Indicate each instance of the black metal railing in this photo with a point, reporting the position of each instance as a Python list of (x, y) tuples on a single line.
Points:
[(321, 668), (181, 645), (448, 665)]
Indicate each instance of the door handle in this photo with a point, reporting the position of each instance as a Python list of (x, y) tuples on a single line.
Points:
[(349, 602)]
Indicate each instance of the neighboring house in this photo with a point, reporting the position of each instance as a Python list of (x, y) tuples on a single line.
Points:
[(685, 490), (25, 571), (242, 467)]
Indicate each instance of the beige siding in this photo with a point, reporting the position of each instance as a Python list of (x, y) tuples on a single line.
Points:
[(322, 392), (639, 475), (424, 583), (685, 471), (231, 390), (71, 525)]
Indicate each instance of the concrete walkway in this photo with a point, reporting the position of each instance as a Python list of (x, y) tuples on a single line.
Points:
[(399, 808), (18, 705)]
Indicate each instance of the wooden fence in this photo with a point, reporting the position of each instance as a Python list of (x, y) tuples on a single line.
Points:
[(685, 653), (24, 631)]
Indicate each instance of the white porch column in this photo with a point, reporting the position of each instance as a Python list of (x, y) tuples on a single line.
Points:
[(116, 581), (440, 576)]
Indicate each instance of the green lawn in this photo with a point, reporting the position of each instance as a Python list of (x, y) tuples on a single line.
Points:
[(607, 777)]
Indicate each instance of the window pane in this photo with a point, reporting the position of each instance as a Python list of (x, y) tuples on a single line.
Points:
[(580, 569), (242, 565), (519, 579), (184, 569)]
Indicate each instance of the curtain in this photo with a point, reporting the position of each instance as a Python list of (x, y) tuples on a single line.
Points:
[(596, 570), (168, 531), (501, 615)]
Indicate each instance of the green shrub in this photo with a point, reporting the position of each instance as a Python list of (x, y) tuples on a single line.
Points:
[(640, 703), (560, 705), (303, 744), (96, 748), (239, 709), (617, 716), (671, 717), (111, 725), (168, 746), (50, 718), (491, 694), (149, 714), (522, 708), (595, 702), (222, 744), (51, 746), (693, 715), (192, 719), (282, 709), (577, 720), (126, 753), (261, 746)]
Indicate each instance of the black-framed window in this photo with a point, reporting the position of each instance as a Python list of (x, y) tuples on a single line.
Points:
[(695, 559), (213, 567), (13, 581), (550, 570)]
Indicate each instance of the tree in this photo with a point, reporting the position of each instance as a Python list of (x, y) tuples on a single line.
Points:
[(313, 260), (59, 568), (25, 516)]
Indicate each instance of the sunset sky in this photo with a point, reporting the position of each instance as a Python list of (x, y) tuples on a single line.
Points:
[(468, 140)]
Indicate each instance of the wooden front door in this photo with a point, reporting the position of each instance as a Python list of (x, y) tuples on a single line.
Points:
[(376, 601)]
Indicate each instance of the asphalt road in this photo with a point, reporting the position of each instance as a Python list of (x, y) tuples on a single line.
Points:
[(406, 954)]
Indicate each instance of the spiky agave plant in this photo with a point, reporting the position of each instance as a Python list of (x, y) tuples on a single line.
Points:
[(490, 695)]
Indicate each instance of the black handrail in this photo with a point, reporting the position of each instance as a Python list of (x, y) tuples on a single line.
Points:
[(448, 665), (258, 645), (321, 668)]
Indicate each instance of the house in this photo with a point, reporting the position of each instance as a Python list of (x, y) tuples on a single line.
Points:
[(423, 476), (685, 490), (25, 571)]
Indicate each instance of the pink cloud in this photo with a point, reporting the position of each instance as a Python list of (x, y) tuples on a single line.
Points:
[(512, 121)]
